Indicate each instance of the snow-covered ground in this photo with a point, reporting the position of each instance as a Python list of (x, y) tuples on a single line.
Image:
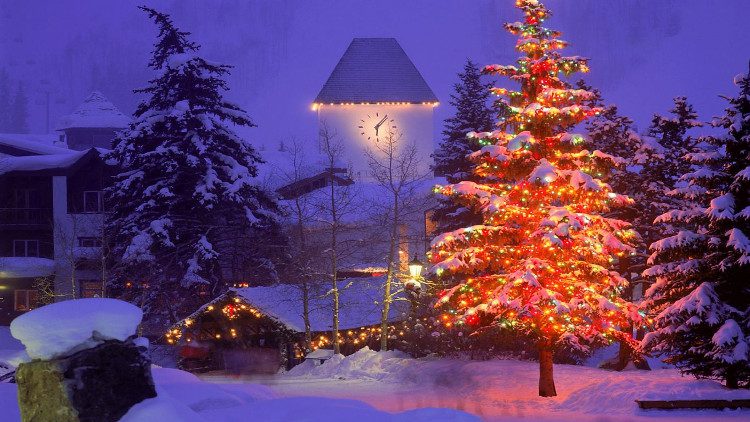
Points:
[(497, 389), (183, 397), (371, 386)]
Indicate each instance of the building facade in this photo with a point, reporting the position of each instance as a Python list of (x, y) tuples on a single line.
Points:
[(52, 210)]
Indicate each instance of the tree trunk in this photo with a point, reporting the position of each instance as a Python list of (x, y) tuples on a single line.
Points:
[(306, 313), (389, 279), (625, 355), (732, 381), (334, 269), (305, 282), (546, 379)]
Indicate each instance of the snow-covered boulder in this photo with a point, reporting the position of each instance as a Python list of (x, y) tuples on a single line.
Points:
[(57, 329), (87, 363)]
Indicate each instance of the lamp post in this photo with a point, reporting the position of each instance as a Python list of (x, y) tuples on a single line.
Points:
[(413, 286), (415, 268)]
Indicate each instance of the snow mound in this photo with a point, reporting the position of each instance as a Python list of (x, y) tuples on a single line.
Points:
[(184, 397), (364, 364), (59, 328), (619, 391)]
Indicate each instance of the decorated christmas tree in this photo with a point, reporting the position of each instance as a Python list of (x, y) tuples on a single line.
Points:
[(700, 293), (542, 260)]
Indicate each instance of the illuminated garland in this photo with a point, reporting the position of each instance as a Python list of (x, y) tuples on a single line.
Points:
[(236, 307), (230, 311)]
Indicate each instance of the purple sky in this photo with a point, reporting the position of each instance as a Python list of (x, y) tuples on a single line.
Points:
[(643, 52)]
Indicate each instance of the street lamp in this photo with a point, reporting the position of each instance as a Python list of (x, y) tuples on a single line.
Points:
[(415, 268)]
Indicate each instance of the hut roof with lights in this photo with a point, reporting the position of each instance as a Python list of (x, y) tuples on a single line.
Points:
[(266, 316)]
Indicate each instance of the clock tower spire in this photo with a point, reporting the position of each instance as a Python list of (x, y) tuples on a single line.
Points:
[(375, 90)]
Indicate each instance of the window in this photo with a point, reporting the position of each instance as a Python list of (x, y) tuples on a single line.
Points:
[(90, 288), (92, 201), (26, 300), (25, 198), (26, 248), (89, 242)]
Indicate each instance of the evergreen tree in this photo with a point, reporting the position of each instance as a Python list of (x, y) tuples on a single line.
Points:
[(473, 114), (542, 260), (700, 294), (614, 134), (19, 112), (671, 134), (186, 197)]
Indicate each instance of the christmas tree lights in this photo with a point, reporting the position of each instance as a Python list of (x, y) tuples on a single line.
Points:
[(542, 260)]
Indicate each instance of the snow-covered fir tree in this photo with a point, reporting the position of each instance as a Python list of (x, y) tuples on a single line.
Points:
[(672, 135), (614, 134), (473, 114), (659, 163), (186, 208), (700, 295), (542, 259)]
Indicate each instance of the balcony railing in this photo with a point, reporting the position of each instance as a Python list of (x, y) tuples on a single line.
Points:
[(25, 216)]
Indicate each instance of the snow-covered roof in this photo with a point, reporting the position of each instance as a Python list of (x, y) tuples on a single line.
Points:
[(359, 299), (375, 70), (40, 162), (22, 267), (33, 143), (96, 111)]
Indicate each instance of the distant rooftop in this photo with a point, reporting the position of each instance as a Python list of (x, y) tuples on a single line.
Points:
[(21, 267), (375, 70), (95, 112), (50, 162), (32, 144)]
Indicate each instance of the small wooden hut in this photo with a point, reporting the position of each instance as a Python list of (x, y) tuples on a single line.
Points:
[(261, 329)]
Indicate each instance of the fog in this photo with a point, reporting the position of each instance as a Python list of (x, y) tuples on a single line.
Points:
[(643, 52)]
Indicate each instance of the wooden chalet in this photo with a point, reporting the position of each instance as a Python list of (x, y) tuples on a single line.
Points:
[(262, 329)]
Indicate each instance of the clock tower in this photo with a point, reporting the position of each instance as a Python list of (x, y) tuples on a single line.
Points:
[(375, 90)]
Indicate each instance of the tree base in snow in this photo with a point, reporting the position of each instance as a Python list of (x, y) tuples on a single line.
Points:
[(97, 384), (626, 358)]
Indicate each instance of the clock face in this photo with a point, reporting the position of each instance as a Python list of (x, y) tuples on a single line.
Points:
[(376, 126)]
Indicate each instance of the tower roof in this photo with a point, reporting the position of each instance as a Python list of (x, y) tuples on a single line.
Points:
[(374, 70), (96, 111)]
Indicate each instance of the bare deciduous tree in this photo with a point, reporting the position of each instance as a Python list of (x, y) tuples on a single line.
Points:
[(303, 253), (337, 203), (395, 167)]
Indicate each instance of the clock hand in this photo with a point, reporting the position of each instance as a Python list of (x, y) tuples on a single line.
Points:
[(381, 121)]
